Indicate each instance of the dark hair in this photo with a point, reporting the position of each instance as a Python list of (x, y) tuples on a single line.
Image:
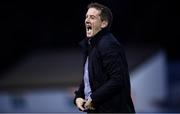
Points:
[(106, 14)]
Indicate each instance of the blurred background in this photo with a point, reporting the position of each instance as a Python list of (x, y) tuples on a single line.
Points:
[(41, 67)]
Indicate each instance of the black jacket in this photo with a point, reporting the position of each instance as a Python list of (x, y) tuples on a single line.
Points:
[(108, 74)]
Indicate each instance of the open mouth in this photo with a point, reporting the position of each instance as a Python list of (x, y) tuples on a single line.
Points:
[(88, 27), (89, 30)]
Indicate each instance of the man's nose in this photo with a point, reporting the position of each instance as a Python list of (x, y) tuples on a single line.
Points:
[(87, 20)]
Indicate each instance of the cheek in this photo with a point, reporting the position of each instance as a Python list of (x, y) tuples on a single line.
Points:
[(97, 27)]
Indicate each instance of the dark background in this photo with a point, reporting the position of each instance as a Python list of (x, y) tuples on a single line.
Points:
[(26, 26), (30, 25)]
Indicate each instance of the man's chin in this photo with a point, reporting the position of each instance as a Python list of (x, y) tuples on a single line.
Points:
[(88, 36)]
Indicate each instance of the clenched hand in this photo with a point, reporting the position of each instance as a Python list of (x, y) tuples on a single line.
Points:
[(80, 102), (89, 105)]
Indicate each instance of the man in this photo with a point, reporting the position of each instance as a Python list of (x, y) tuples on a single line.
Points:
[(105, 86)]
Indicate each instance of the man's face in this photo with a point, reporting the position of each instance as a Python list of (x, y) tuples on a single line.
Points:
[(93, 22)]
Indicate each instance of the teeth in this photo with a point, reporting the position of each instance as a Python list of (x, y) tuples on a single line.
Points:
[(88, 28)]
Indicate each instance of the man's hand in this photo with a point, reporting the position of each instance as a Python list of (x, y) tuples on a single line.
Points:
[(89, 105), (79, 103)]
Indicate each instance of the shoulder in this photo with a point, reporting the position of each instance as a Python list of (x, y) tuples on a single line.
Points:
[(108, 42)]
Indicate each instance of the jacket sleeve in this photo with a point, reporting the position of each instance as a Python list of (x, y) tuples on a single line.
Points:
[(80, 92), (114, 62)]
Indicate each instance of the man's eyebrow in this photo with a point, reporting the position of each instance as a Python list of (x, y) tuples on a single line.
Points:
[(90, 15)]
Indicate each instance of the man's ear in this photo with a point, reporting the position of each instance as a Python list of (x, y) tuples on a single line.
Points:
[(104, 24)]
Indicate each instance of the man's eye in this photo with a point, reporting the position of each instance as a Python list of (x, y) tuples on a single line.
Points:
[(92, 17)]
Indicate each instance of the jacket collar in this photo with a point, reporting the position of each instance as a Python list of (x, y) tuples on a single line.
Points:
[(85, 43), (94, 40)]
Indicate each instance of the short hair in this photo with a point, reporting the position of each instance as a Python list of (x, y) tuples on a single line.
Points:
[(106, 14)]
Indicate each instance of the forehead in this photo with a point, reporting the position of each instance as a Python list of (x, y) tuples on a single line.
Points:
[(93, 11)]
